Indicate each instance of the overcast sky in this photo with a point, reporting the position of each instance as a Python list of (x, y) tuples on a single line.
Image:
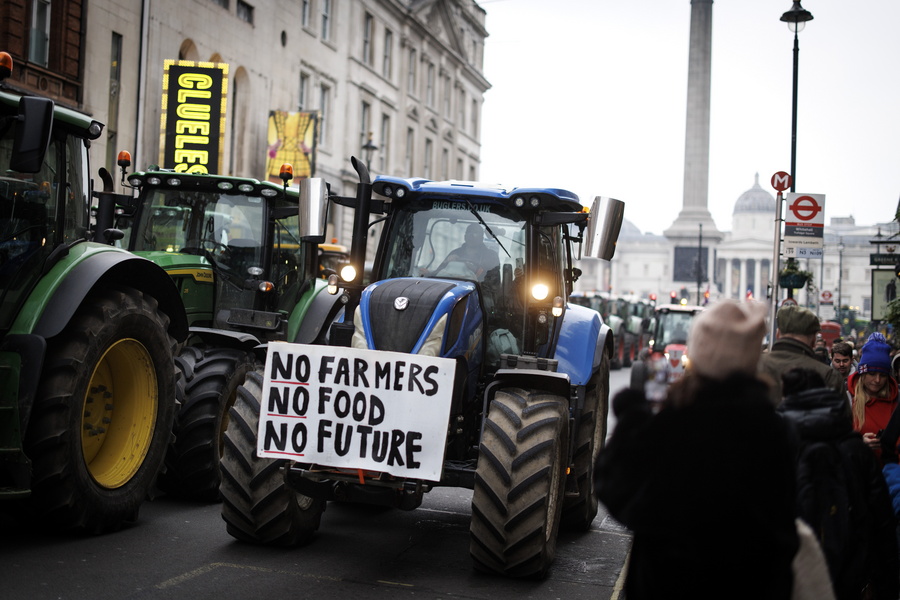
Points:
[(590, 96)]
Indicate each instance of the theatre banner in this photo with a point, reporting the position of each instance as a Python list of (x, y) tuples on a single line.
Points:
[(291, 139), (192, 125)]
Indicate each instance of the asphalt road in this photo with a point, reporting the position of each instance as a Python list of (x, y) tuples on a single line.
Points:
[(181, 551)]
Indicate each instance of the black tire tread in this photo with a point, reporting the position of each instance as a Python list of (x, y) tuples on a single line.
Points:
[(64, 495), (211, 378), (518, 491), (258, 506)]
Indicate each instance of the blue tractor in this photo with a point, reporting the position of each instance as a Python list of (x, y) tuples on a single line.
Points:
[(470, 283)]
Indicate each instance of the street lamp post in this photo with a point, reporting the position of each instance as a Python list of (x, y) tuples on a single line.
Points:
[(796, 19), (368, 148), (840, 280)]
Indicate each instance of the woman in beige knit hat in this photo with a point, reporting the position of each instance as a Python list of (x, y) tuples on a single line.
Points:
[(706, 484)]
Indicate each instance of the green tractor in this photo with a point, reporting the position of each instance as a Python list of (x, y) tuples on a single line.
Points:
[(247, 276), (87, 334)]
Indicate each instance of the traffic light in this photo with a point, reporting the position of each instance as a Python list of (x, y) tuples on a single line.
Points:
[(897, 270)]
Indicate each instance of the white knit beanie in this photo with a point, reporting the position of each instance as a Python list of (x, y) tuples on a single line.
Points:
[(727, 338)]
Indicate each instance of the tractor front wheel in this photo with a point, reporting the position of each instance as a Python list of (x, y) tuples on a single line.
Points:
[(211, 379), (519, 483), (257, 504)]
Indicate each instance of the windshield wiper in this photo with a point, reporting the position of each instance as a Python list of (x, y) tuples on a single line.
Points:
[(485, 225)]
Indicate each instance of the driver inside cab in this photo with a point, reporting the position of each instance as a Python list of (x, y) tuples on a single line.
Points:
[(474, 254)]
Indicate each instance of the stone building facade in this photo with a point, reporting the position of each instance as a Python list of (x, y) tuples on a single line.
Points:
[(408, 72)]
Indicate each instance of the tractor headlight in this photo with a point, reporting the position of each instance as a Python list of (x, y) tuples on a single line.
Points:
[(540, 291), (332, 284), (557, 309), (348, 273)]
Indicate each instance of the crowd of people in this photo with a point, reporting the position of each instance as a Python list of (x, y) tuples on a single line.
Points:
[(767, 473)]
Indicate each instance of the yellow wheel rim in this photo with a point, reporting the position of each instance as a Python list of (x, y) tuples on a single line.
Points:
[(119, 413)]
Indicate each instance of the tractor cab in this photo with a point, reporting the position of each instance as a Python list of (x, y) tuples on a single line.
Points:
[(232, 245), (510, 253)]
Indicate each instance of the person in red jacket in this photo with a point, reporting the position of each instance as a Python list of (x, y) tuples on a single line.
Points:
[(873, 391)]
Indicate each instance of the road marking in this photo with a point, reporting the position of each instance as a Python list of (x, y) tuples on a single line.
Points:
[(213, 566)]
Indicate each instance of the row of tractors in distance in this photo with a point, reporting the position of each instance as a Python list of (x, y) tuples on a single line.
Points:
[(462, 364), (88, 333), (663, 360), (630, 318)]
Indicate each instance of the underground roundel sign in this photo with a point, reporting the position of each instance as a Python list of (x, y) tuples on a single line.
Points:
[(804, 224)]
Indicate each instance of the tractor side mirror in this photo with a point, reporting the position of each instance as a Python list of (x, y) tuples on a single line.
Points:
[(313, 209), (604, 223), (32, 134)]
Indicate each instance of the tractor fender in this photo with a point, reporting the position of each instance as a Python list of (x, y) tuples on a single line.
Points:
[(530, 379), (319, 313), (583, 338), (99, 269), (226, 338)]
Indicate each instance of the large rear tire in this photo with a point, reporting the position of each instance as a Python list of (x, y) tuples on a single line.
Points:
[(519, 484), (212, 377), (578, 512), (103, 413), (257, 504)]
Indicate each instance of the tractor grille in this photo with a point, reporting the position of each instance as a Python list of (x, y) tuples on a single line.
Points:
[(399, 330)]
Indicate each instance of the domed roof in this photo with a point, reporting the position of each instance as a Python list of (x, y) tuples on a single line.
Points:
[(629, 229), (755, 199)]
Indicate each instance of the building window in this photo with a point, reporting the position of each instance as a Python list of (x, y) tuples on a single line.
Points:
[(429, 151), (387, 66), (304, 13), (244, 11), (304, 92), (222, 3), (367, 39), (411, 75), (385, 145), (324, 113), (447, 93), (445, 164), (39, 42), (365, 114), (429, 86), (461, 107), (472, 174), (459, 168), (326, 20), (474, 117), (410, 147)]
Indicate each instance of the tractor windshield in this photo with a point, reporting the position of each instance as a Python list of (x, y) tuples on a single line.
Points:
[(225, 228), (444, 239), (439, 238), (673, 328)]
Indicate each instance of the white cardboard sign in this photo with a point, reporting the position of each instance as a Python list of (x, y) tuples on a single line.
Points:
[(356, 409)]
